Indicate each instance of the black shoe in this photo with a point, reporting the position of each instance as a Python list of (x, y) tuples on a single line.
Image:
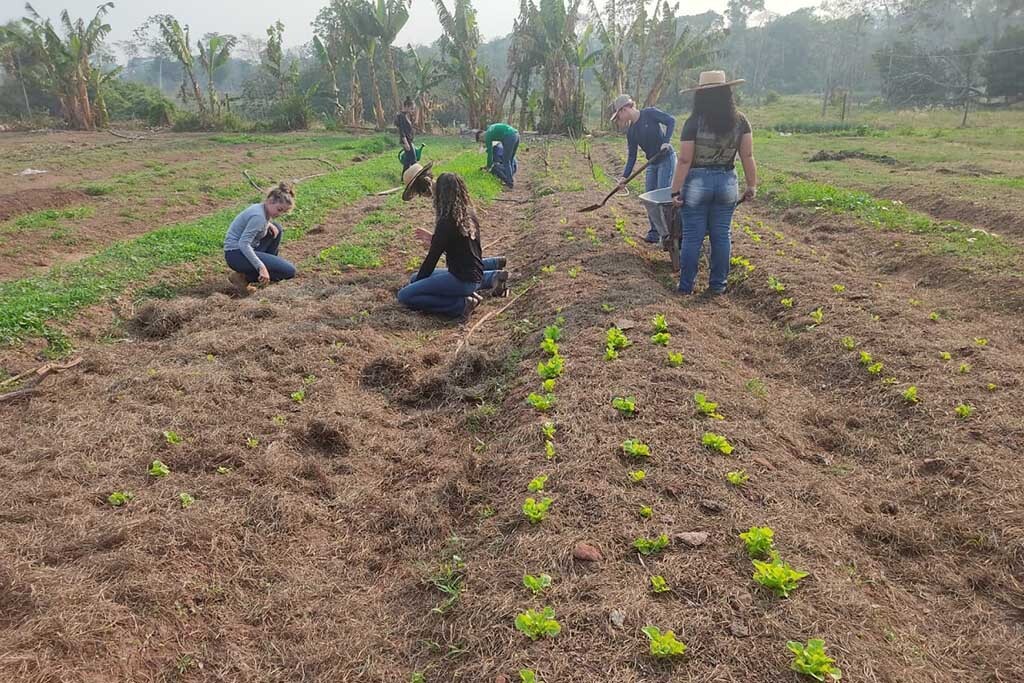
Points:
[(499, 288), (499, 262), (472, 301)]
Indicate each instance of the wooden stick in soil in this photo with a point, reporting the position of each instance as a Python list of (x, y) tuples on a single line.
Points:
[(41, 371), (323, 161), (464, 341), (15, 395), (251, 181)]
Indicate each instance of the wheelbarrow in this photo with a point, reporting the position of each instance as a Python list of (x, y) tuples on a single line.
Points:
[(663, 215)]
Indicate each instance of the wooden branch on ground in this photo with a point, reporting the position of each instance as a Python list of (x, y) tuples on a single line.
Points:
[(323, 161), (126, 137), (464, 341), (391, 191), (494, 243), (251, 181), (15, 395), (310, 177), (41, 371)]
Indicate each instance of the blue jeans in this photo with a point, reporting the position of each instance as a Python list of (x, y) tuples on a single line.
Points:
[(266, 251), (442, 292), (510, 143), (709, 200), (658, 176)]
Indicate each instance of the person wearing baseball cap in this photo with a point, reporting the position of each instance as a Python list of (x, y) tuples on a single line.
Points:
[(705, 184), (650, 129)]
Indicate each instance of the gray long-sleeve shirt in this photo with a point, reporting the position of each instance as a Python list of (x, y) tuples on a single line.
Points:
[(246, 231)]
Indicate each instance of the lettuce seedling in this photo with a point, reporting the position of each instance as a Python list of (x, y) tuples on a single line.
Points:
[(675, 359), (737, 477), (651, 546), (646, 511), (553, 333), (875, 368), (705, 407), (223, 470), (535, 511), (980, 341), (607, 308), (549, 450), (759, 541), (637, 449), (663, 644), (625, 405), (716, 442), (548, 386), (299, 396), (775, 285), (536, 484), (738, 261), (787, 302), (119, 498), (417, 677), (838, 289), (658, 585), (537, 584), (610, 353), (910, 395), (528, 676), (186, 500), (553, 368), (637, 476), (812, 661), (661, 338), (964, 410), (542, 403), (945, 355), (659, 324), (817, 315), (865, 358), (574, 271), (549, 347), (158, 469), (172, 438), (548, 430), (848, 343), (777, 576), (538, 624), (991, 387), (548, 269), (965, 368), (616, 339), (252, 442)]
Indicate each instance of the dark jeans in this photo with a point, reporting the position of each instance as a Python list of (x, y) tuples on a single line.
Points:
[(505, 172), (266, 251), (408, 158), (510, 143), (710, 196), (442, 292)]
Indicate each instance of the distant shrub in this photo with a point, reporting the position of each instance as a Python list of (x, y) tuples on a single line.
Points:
[(127, 100), (827, 127), (771, 97), (190, 122)]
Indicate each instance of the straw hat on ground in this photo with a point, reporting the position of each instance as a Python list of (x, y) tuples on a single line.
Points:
[(417, 181), (712, 79)]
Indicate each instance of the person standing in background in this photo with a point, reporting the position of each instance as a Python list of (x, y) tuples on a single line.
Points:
[(403, 121), (650, 129)]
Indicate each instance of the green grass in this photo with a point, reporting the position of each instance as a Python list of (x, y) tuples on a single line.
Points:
[(953, 237), (27, 305), (46, 219)]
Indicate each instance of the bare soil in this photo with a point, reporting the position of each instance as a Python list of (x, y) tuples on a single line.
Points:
[(307, 559)]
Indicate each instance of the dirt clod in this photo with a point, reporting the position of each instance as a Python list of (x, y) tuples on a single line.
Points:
[(693, 539), (160, 320), (618, 618), (711, 507), (739, 629), (584, 552)]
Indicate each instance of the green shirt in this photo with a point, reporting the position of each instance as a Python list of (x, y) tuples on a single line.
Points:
[(496, 132)]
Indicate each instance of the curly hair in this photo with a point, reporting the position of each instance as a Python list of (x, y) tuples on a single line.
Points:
[(717, 107), (451, 201)]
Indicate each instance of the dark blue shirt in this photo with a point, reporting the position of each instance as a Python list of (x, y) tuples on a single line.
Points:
[(647, 133)]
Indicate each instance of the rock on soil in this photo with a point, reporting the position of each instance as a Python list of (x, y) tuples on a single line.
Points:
[(694, 539), (585, 552), (618, 618)]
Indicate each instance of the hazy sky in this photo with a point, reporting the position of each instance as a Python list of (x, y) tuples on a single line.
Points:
[(244, 16)]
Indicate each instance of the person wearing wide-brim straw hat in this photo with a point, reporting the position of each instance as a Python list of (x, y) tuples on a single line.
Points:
[(650, 129), (704, 183), (418, 181)]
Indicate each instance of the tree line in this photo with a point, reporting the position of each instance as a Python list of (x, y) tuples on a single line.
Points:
[(562, 62)]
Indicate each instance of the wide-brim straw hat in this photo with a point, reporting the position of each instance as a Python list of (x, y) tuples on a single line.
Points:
[(620, 102), (712, 79), (412, 177)]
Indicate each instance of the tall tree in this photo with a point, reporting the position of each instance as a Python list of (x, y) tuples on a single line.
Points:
[(66, 61), (332, 23), (13, 51), (272, 58), (459, 45), (392, 16), (329, 63), (178, 44), (676, 51), (424, 76), (613, 32), (364, 31), (214, 54)]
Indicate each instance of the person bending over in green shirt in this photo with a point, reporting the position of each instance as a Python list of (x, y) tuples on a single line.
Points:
[(509, 139)]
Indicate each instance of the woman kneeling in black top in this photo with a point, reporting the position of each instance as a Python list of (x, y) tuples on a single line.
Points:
[(453, 292)]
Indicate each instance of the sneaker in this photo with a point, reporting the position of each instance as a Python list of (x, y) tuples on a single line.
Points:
[(472, 301), (239, 282), (652, 238), (499, 287)]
